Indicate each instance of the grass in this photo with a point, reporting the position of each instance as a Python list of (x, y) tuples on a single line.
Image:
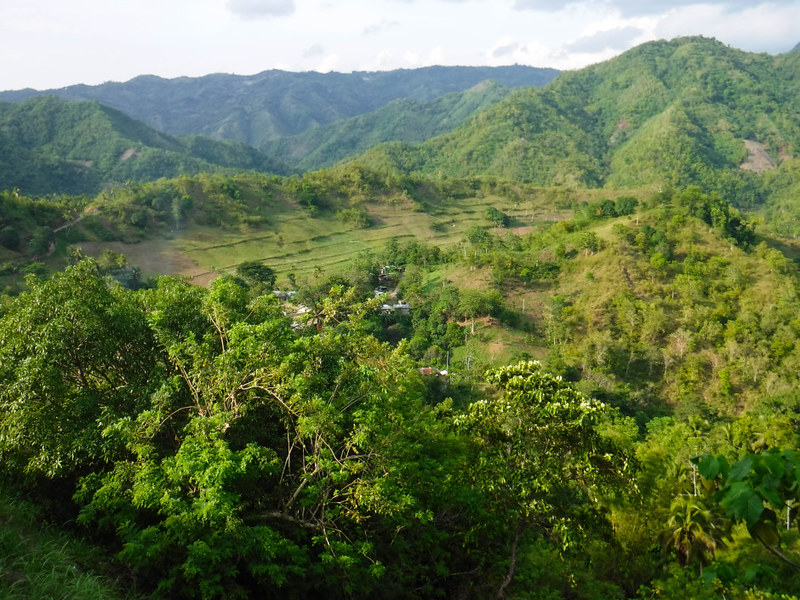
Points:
[(296, 242), (38, 561)]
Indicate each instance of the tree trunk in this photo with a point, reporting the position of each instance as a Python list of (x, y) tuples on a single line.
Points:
[(512, 566)]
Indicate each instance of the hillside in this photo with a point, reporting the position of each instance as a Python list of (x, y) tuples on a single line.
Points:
[(257, 108), (405, 119), (667, 329), (50, 145), (674, 113)]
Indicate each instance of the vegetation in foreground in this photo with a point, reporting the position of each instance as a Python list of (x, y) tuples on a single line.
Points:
[(220, 448)]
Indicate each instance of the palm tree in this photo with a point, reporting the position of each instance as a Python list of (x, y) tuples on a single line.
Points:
[(694, 531)]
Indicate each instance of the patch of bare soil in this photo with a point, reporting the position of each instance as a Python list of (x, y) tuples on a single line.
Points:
[(155, 257), (758, 161), (519, 230), (129, 153)]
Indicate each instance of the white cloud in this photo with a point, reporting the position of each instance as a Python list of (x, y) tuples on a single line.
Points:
[(381, 27), (755, 29), (313, 51), (642, 7), (329, 63), (261, 8), (619, 38)]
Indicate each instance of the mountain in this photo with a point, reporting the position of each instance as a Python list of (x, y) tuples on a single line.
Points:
[(690, 110), (405, 119), (257, 108), (51, 145), (796, 48)]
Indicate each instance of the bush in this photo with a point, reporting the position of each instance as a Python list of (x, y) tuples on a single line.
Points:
[(9, 238), (357, 217)]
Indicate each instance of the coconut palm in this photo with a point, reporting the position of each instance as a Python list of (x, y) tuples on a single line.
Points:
[(694, 531)]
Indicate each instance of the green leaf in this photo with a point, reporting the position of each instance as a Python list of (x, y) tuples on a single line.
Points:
[(754, 509), (742, 502), (741, 469), (771, 495), (774, 463), (709, 466)]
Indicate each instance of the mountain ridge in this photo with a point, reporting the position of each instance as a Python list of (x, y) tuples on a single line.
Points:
[(570, 131), (257, 108), (51, 145), (403, 119)]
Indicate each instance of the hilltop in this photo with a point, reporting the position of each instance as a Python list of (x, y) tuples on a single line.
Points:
[(50, 145), (664, 113)]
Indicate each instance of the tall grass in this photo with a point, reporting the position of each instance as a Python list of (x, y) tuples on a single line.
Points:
[(37, 561)]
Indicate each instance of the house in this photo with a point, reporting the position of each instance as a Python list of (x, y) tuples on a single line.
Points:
[(400, 308), (284, 295)]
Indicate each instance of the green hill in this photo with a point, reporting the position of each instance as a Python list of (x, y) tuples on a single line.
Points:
[(257, 108), (675, 113), (50, 145), (406, 120)]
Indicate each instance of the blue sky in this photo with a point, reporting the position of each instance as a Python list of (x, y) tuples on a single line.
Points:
[(54, 43)]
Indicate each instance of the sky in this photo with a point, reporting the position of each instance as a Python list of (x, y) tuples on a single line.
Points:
[(48, 44)]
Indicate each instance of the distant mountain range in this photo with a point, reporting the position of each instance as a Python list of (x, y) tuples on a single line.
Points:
[(403, 120), (258, 108), (690, 110)]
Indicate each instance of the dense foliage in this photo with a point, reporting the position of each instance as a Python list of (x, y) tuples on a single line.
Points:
[(332, 440), (49, 145), (673, 113), (229, 452)]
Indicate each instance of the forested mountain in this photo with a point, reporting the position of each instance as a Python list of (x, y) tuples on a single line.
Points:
[(406, 120), (691, 110), (50, 145), (257, 108)]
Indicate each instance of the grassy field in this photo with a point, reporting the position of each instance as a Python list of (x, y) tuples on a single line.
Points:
[(303, 244)]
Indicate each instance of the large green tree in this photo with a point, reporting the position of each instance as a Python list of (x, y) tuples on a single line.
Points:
[(540, 456)]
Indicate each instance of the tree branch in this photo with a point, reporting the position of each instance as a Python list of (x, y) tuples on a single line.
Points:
[(778, 553), (279, 516)]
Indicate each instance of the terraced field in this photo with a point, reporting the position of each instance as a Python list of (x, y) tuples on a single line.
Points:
[(303, 244)]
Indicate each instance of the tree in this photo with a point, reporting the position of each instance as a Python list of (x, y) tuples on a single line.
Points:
[(694, 532), (496, 217), (256, 274), (589, 241), (755, 490), (227, 452), (74, 355), (473, 303), (625, 205), (540, 457)]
